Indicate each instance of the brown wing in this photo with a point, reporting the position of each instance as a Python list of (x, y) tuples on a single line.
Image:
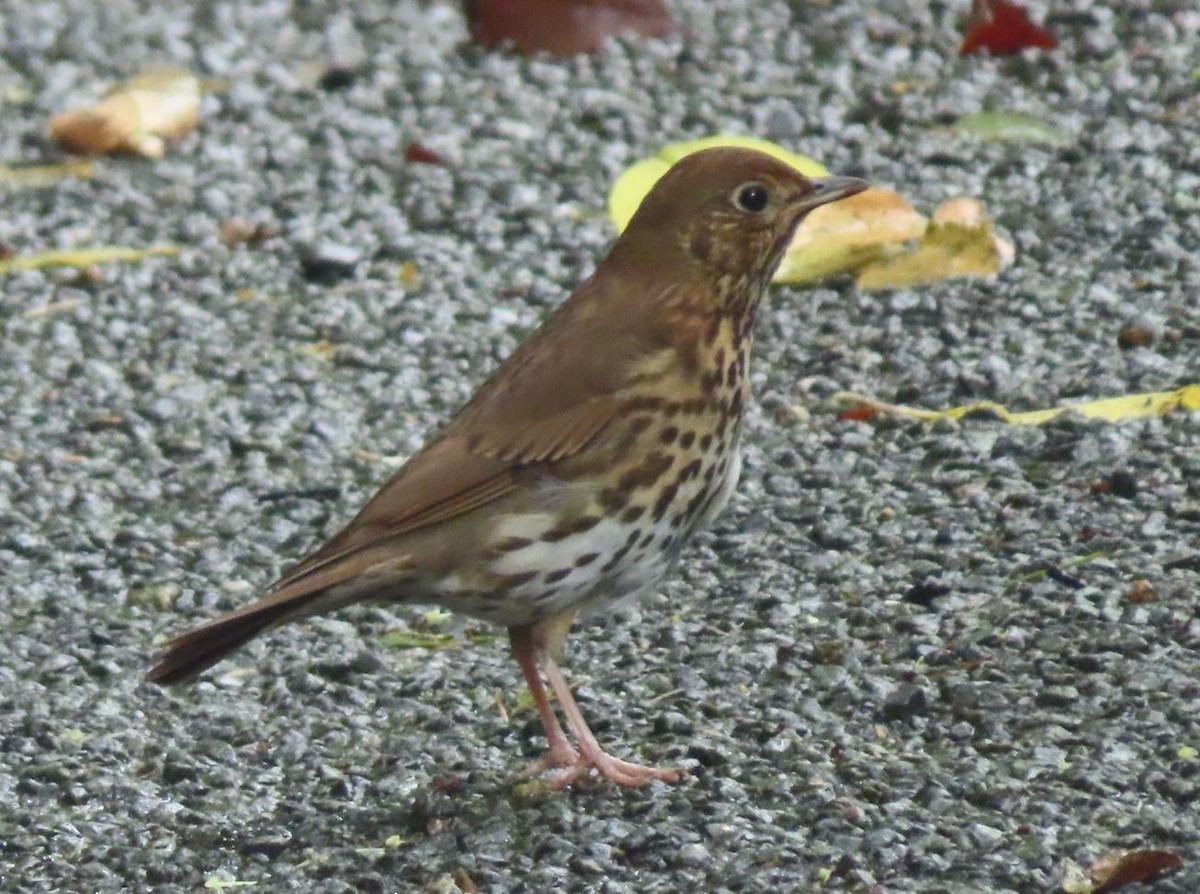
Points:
[(553, 397)]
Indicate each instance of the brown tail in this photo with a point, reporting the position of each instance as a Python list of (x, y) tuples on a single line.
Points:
[(321, 583), (197, 650)]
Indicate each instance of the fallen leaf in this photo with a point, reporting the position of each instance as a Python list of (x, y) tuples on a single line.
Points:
[(1002, 28), (846, 235), (33, 176), (859, 413), (419, 154), (411, 639), (239, 231), (1112, 409), (321, 350), (958, 242), (140, 117), (1120, 868), (1142, 592), (1135, 336), (1010, 127), (84, 257), (564, 27), (409, 276), (636, 180)]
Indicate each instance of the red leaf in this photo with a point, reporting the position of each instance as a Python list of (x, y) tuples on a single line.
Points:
[(1003, 29), (419, 154), (564, 27)]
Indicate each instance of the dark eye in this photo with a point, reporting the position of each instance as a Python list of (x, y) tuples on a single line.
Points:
[(751, 197)]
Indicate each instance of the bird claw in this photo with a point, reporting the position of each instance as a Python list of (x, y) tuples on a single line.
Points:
[(560, 755), (614, 770)]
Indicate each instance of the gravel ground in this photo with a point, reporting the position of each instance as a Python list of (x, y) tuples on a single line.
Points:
[(906, 658)]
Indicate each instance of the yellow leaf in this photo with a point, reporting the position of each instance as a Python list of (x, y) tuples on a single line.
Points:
[(843, 236), (946, 251), (411, 639), (33, 176), (1112, 409), (84, 257), (633, 185), (322, 350), (409, 276)]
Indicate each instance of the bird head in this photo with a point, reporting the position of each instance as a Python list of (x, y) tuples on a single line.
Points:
[(728, 215)]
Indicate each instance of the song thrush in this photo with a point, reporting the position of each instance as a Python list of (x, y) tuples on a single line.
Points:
[(578, 471)]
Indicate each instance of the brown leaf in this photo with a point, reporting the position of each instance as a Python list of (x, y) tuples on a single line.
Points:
[(564, 27), (1119, 868), (239, 231), (139, 117), (1135, 336), (420, 154), (1142, 592)]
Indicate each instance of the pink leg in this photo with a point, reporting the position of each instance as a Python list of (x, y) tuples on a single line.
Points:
[(591, 755), (561, 753)]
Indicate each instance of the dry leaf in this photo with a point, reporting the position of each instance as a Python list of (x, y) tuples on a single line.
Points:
[(564, 27), (420, 154), (1120, 868), (239, 231), (1142, 592), (33, 176), (1112, 409), (140, 117), (845, 235), (84, 257), (958, 242)]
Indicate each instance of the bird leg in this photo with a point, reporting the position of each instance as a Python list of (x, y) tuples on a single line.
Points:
[(591, 756), (561, 753), (533, 646)]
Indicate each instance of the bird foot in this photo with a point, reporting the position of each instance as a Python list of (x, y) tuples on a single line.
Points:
[(613, 769), (560, 755)]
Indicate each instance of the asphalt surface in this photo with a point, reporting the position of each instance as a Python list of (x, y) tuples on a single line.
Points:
[(906, 658)]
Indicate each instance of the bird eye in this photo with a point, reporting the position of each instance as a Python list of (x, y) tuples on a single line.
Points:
[(751, 197)]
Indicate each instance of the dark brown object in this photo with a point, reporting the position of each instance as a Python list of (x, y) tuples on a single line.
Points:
[(1135, 335), (578, 471), (564, 27)]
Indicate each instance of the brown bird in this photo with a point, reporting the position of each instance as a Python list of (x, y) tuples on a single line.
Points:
[(578, 471)]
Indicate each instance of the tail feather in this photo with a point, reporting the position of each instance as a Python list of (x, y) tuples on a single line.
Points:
[(194, 652), (324, 588), (189, 655)]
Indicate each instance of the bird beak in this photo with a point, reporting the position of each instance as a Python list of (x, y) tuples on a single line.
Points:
[(828, 189)]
